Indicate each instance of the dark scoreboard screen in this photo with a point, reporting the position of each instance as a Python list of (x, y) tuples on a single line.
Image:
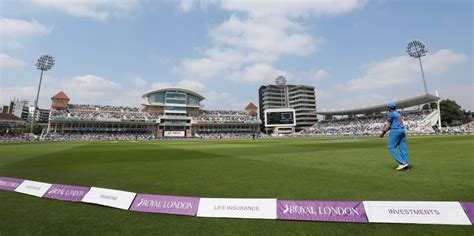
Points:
[(280, 118)]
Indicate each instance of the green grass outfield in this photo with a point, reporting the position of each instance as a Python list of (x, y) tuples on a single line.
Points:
[(295, 169)]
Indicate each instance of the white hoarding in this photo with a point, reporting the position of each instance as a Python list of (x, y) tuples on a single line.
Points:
[(109, 197), (446, 213), (174, 133), (33, 188), (237, 208)]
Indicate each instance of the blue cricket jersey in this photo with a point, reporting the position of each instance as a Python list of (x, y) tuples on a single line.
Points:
[(396, 119)]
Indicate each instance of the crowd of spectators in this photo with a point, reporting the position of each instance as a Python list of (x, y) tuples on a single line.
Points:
[(123, 113), (220, 116), (88, 107), (227, 135), (77, 137), (15, 138), (103, 113), (98, 136), (413, 121), (466, 128)]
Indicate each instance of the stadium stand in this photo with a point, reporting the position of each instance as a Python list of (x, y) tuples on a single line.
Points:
[(102, 113), (158, 119), (220, 116), (414, 121), (97, 118), (226, 136), (91, 136)]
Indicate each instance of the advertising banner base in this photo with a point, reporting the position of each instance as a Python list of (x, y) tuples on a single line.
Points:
[(66, 192), (321, 211), (165, 204), (10, 184), (37, 189), (445, 213), (237, 208), (109, 197), (469, 209)]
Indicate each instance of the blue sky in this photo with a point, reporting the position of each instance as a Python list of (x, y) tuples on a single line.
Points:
[(352, 51)]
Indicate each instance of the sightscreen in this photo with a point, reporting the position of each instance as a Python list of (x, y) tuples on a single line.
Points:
[(174, 133)]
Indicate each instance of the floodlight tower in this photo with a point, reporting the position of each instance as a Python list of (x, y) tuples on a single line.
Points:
[(280, 81), (44, 63), (417, 49)]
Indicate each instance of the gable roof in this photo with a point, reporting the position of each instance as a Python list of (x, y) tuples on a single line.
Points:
[(60, 95), (251, 106), (404, 103), (11, 117)]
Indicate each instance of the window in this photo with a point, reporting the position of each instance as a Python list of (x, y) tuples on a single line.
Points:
[(171, 108), (157, 98), (193, 100), (176, 97)]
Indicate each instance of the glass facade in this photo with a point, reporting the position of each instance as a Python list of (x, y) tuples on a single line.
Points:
[(177, 109), (157, 98), (193, 100), (173, 97)]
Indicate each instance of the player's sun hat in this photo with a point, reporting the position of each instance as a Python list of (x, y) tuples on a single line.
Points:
[(391, 104)]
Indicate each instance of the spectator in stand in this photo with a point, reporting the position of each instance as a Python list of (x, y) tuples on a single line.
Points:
[(363, 125), (104, 113), (220, 116)]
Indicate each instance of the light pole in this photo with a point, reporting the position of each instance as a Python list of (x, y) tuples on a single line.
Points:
[(44, 63), (417, 49)]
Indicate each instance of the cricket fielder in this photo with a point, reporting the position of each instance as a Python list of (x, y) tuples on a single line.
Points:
[(397, 137)]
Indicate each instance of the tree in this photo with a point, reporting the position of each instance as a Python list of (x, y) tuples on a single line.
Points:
[(451, 112), (37, 129), (434, 105), (328, 117)]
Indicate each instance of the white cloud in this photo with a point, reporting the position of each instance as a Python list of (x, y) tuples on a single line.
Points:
[(368, 99), (264, 8), (191, 85), (93, 9), (8, 93), (442, 61), (239, 44), (396, 78), (188, 84), (292, 9), (85, 89), (92, 89), (186, 5), (14, 31), (200, 68), (217, 100), (398, 71), (159, 85), (270, 35), (461, 93), (139, 82), (247, 44), (258, 34), (319, 74), (259, 72), (8, 62)]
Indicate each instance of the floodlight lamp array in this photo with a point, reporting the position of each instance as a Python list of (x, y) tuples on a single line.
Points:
[(280, 81), (416, 49), (45, 62)]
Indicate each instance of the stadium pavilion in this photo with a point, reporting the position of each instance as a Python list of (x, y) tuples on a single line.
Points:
[(165, 112)]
